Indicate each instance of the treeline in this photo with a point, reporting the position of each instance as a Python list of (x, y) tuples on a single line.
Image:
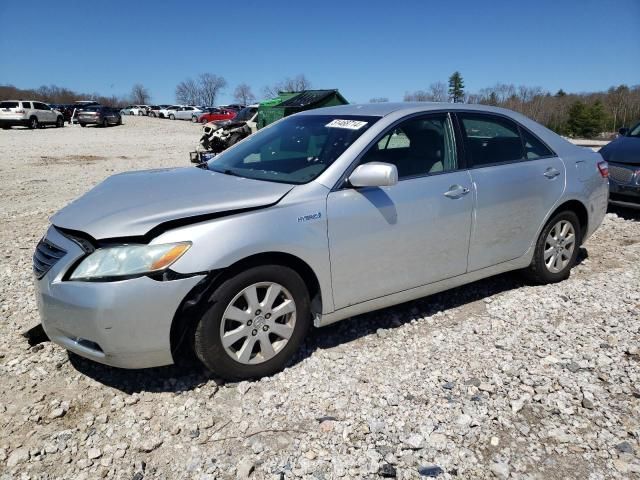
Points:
[(584, 115), (55, 94)]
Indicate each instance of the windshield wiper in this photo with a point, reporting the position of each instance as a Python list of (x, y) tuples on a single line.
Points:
[(227, 171)]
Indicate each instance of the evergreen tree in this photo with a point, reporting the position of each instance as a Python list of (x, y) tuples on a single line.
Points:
[(586, 121), (561, 93), (456, 88)]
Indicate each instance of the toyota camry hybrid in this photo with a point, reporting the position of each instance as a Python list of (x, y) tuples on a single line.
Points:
[(321, 216)]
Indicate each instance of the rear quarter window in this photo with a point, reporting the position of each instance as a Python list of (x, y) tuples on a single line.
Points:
[(533, 147), (8, 104)]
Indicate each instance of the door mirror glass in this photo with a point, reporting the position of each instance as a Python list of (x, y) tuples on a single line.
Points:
[(623, 131), (374, 174)]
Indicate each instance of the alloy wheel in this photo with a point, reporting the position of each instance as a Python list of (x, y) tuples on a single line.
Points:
[(258, 323), (559, 246)]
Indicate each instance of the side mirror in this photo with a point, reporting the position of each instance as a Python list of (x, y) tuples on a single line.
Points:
[(623, 131), (374, 174)]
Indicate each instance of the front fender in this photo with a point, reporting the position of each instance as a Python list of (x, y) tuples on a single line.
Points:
[(297, 228)]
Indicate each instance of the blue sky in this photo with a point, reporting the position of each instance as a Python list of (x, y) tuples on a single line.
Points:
[(365, 48)]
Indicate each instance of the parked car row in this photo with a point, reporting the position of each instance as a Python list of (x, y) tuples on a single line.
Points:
[(34, 114), (194, 113)]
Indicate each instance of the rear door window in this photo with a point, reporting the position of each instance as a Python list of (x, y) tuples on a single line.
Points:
[(490, 139), (26, 105)]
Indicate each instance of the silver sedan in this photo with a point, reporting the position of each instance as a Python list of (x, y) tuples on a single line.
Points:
[(324, 215)]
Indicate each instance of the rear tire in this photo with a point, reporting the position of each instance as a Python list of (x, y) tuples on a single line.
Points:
[(556, 249), (258, 323), (33, 123), (83, 124), (105, 123), (119, 122), (194, 119), (130, 113)]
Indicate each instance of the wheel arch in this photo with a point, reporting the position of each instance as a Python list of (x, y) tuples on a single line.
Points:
[(193, 305), (577, 207)]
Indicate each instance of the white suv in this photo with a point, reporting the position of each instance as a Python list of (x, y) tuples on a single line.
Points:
[(28, 113)]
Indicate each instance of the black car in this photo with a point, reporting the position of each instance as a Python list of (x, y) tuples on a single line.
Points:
[(623, 156), (99, 115)]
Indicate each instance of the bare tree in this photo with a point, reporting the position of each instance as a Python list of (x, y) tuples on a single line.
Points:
[(296, 84), (140, 94), (243, 94), (209, 87), (417, 96), (438, 92), (187, 92), (378, 100)]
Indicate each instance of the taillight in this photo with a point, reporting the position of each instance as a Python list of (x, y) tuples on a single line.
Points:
[(603, 168), (20, 111)]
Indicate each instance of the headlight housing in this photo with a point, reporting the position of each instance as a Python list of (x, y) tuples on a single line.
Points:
[(128, 260)]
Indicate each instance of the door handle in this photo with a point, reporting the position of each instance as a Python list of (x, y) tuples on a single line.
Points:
[(551, 173), (456, 191)]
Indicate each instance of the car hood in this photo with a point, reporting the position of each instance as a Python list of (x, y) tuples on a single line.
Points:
[(134, 203), (622, 150)]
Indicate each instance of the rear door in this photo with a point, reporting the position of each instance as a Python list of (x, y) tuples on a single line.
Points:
[(385, 240), (517, 180)]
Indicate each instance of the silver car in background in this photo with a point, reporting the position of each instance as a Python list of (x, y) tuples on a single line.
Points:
[(321, 216), (186, 112)]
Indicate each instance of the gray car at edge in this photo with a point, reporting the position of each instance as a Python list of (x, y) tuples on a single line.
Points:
[(321, 216)]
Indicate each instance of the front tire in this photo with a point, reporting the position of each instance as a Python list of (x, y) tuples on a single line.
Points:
[(254, 323), (172, 117), (556, 249), (83, 124), (59, 122)]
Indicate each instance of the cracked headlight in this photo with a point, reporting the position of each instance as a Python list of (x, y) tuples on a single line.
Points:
[(128, 260)]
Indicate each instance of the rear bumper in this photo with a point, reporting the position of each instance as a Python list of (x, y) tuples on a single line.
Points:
[(124, 324), (89, 120), (14, 122)]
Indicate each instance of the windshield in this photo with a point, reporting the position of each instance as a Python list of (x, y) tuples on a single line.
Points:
[(635, 131), (245, 114), (295, 150)]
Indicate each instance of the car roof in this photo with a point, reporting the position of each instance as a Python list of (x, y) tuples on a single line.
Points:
[(386, 108)]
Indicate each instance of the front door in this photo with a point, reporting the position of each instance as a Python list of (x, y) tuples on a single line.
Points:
[(389, 239)]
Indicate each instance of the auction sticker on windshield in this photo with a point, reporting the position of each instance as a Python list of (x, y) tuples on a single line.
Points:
[(350, 124)]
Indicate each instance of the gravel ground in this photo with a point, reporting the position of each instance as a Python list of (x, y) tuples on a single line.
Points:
[(493, 380)]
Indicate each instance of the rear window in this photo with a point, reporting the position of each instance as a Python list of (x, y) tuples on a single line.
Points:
[(8, 104)]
